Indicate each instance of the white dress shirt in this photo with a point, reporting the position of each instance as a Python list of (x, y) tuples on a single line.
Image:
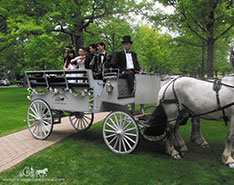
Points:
[(102, 56), (129, 60)]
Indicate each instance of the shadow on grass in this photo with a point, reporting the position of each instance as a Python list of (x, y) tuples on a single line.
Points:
[(157, 149)]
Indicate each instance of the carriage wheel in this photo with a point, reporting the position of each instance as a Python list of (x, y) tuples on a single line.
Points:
[(141, 124), (120, 132), (81, 121), (40, 119)]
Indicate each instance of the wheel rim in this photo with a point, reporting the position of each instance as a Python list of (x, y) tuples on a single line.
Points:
[(81, 121), (39, 119), (141, 124), (120, 133)]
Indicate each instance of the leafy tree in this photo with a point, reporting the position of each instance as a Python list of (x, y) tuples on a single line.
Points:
[(152, 48), (110, 31), (209, 20)]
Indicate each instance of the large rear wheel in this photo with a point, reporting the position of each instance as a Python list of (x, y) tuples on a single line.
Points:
[(120, 132)]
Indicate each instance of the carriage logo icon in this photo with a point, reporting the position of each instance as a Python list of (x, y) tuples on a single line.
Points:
[(31, 173), (60, 98)]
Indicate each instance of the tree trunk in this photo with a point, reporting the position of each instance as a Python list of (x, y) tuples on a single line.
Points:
[(79, 41), (210, 57), (203, 60)]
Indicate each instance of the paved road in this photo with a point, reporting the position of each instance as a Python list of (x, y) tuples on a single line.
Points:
[(18, 146)]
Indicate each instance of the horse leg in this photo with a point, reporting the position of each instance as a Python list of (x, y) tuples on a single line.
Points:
[(170, 149), (180, 144), (195, 135), (228, 153)]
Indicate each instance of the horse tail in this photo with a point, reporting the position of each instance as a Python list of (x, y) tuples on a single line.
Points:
[(157, 123)]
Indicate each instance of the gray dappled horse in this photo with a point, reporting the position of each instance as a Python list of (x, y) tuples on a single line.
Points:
[(189, 97)]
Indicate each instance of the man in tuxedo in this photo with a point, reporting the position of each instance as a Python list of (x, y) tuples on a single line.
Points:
[(91, 55), (101, 61), (126, 61)]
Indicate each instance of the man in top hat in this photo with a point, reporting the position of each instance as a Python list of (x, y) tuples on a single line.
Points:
[(126, 61)]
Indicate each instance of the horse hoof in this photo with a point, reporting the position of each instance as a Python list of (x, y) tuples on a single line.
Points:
[(205, 145), (176, 157), (182, 154), (231, 165)]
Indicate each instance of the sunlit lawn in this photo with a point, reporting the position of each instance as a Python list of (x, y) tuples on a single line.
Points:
[(84, 159), (13, 110)]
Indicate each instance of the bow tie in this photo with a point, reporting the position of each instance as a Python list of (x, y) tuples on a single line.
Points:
[(128, 51), (101, 54)]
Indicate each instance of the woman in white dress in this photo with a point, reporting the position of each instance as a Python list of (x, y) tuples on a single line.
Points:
[(80, 60), (71, 65)]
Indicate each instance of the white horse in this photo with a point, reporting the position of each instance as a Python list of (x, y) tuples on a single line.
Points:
[(42, 173), (197, 97)]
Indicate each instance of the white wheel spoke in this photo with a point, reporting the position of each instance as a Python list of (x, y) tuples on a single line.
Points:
[(116, 142), (75, 122), (129, 139), (114, 123), (38, 107), (46, 127), (124, 146), (35, 108), (130, 129), (111, 126), (82, 124), (116, 119), (31, 125), (47, 112), (111, 135), (31, 109), (127, 125), (46, 122), (113, 139), (40, 130), (86, 122), (123, 122), (35, 128), (112, 131), (127, 142), (130, 134), (42, 127), (31, 115), (120, 144), (87, 117)]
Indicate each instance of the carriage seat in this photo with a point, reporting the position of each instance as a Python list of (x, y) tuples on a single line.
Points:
[(57, 81)]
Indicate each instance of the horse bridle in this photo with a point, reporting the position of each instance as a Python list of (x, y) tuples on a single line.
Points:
[(216, 87)]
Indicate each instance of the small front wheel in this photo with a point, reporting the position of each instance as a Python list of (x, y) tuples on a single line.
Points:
[(120, 132), (81, 121), (40, 119)]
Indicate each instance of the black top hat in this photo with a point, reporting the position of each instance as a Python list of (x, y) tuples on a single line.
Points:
[(126, 38)]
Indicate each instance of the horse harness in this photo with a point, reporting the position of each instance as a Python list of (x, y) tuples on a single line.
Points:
[(217, 85)]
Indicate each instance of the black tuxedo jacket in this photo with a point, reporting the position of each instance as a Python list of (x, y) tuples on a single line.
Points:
[(121, 62), (97, 65)]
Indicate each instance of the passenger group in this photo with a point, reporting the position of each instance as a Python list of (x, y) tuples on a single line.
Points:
[(89, 58)]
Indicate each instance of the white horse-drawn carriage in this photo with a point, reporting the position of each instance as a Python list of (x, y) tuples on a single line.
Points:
[(56, 94)]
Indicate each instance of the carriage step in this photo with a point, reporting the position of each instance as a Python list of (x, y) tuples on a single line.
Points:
[(128, 96)]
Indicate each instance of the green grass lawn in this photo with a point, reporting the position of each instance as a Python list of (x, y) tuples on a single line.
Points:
[(13, 110), (84, 159)]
